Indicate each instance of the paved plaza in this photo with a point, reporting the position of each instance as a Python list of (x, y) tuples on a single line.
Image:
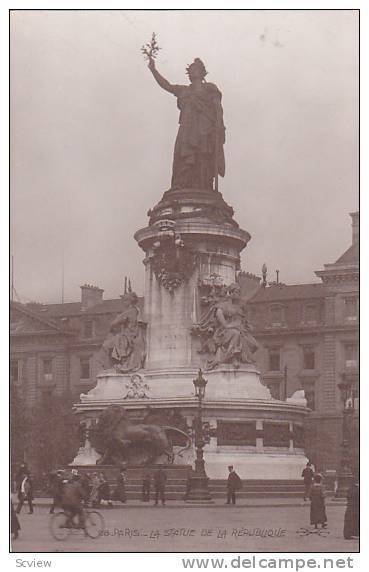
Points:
[(175, 528)]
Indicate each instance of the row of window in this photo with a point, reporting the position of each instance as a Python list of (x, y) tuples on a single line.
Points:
[(311, 315), (309, 357), (274, 358), (273, 364), (311, 312), (47, 369)]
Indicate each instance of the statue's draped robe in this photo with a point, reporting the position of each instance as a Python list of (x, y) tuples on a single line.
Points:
[(234, 343), (198, 151), (125, 348)]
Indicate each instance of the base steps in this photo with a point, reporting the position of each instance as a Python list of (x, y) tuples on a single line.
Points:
[(177, 483)]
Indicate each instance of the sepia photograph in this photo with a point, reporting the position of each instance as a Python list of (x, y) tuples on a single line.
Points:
[(184, 281)]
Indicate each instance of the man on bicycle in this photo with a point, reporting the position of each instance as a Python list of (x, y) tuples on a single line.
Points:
[(73, 495)]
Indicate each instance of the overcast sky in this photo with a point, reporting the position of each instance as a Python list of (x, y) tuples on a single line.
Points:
[(92, 137)]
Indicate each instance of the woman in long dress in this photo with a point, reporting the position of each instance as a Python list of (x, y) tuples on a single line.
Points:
[(352, 513), (318, 513)]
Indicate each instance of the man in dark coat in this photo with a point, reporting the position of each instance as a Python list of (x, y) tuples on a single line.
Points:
[(234, 484), (307, 475), (73, 495), (104, 490), (120, 491), (56, 485), (352, 513), (146, 486), (318, 513), (160, 479), (25, 493)]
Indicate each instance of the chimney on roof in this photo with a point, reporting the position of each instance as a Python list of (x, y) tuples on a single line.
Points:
[(90, 296), (355, 227)]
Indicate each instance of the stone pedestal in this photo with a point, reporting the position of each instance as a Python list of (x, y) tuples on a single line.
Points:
[(191, 236), (192, 248)]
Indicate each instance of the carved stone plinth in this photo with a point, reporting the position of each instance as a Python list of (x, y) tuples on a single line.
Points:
[(223, 383), (191, 235)]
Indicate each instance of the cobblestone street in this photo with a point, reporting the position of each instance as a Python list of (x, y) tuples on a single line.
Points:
[(192, 529)]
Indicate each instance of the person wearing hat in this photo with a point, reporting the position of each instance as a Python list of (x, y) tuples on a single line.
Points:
[(104, 490), (234, 484), (25, 492), (56, 485), (72, 498), (307, 475), (318, 513), (120, 491)]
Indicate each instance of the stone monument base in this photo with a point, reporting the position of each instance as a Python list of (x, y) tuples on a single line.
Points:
[(260, 436), (224, 382)]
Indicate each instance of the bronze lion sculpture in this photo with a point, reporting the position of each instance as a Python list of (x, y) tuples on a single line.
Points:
[(119, 440)]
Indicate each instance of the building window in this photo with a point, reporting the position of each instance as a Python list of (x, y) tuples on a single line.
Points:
[(14, 370), (276, 315), (311, 314), (88, 328), (48, 369), (85, 368), (308, 357), (351, 357), (351, 309), (274, 360)]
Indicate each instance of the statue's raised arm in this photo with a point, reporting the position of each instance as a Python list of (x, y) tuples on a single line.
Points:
[(164, 83)]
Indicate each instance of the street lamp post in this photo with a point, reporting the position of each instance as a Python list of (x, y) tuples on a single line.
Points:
[(344, 475), (199, 489)]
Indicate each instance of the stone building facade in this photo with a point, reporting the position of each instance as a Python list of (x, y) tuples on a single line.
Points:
[(308, 336)]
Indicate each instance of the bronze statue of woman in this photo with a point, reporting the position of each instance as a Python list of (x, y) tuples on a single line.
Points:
[(198, 152)]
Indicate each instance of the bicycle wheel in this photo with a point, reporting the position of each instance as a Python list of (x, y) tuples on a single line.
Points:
[(58, 527), (94, 523)]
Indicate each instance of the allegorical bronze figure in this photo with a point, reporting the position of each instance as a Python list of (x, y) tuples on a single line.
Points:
[(198, 152), (124, 347), (226, 333)]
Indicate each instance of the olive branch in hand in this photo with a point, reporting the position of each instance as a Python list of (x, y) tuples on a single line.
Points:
[(150, 50)]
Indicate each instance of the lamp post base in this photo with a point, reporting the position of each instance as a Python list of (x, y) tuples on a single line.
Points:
[(344, 479)]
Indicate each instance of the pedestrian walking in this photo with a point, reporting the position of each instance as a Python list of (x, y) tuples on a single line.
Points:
[(55, 487), (86, 485), (21, 473), (94, 493), (104, 490), (25, 493), (160, 479), (14, 522), (72, 499), (352, 513), (308, 476), (318, 513), (146, 486), (190, 474), (234, 484), (120, 491)]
